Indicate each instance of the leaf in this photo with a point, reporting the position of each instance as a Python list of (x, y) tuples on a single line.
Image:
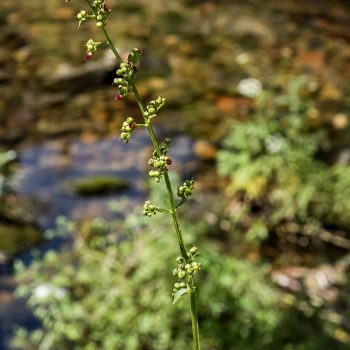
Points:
[(180, 293)]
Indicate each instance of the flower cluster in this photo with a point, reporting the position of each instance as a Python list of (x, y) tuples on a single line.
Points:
[(149, 209), (153, 108), (164, 147), (126, 74), (186, 269), (128, 126), (83, 16), (91, 48), (160, 163), (185, 190), (100, 13)]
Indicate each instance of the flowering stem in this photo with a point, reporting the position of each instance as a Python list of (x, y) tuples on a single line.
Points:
[(173, 209)]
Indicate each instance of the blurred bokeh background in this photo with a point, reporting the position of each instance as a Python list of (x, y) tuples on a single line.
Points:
[(258, 111)]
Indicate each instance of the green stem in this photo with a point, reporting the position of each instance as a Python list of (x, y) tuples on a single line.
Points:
[(194, 315)]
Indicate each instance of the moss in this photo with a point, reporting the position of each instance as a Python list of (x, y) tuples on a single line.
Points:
[(16, 238), (95, 185)]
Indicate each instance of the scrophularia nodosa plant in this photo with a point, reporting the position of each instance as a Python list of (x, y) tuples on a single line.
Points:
[(187, 266)]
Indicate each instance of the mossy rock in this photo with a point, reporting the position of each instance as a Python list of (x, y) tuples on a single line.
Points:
[(17, 238), (95, 185)]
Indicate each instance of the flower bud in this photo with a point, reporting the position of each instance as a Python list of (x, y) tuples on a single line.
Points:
[(181, 274), (88, 56), (99, 24), (180, 260), (193, 250), (188, 192)]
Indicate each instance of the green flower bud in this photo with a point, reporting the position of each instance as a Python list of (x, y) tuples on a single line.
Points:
[(177, 285), (175, 272), (99, 17), (193, 250), (79, 16), (181, 274), (190, 271), (182, 285), (151, 110), (188, 192), (187, 266), (99, 24), (130, 120), (180, 260)]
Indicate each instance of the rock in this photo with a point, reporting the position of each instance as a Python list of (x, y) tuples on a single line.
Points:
[(95, 185), (246, 25), (91, 73), (205, 150), (16, 237), (313, 60)]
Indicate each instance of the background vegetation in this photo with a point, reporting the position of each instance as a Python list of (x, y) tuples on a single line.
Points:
[(270, 212)]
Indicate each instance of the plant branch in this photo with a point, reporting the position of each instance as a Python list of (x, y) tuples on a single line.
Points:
[(194, 316)]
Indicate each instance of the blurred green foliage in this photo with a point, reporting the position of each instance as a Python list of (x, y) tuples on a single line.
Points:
[(103, 295), (112, 288), (278, 164)]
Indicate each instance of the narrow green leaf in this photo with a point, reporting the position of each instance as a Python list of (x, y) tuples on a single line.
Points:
[(180, 293)]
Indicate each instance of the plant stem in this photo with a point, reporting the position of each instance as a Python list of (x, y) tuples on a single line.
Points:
[(194, 318), (194, 315)]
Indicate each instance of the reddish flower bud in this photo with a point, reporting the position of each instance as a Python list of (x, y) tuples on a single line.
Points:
[(105, 8), (118, 97), (169, 161), (132, 125), (88, 56)]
